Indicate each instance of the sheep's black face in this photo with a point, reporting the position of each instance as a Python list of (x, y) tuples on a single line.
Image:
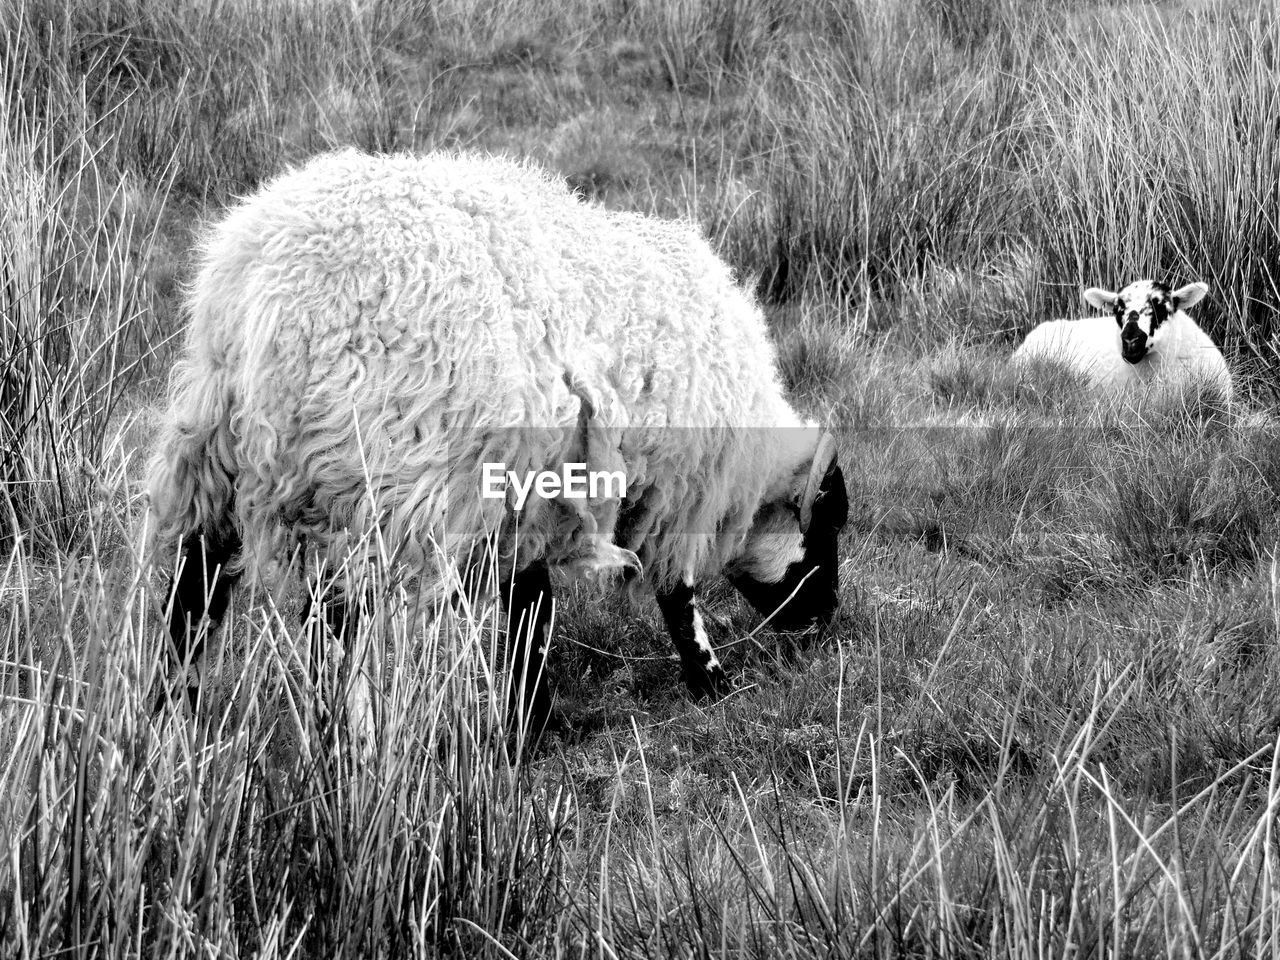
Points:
[(1140, 309), (780, 559)]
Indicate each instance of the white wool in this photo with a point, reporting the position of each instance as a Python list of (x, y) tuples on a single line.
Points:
[(366, 331), (1182, 357)]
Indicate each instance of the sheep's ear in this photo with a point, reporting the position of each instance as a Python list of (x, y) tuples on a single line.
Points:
[(1102, 299), (1184, 298)]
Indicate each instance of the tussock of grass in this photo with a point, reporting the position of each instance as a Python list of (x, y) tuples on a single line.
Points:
[(79, 294), (815, 355), (1194, 498)]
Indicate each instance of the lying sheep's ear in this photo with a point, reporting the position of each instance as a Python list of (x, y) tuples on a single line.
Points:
[(1102, 299), (1184, 298)]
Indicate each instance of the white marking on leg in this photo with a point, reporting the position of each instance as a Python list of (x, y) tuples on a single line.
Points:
[(701, 639)]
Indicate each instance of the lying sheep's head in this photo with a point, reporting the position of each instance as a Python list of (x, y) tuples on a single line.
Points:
[(792, 548), (1141, 308)]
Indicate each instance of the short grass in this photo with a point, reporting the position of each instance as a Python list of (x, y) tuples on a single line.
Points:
[(1045, 721)]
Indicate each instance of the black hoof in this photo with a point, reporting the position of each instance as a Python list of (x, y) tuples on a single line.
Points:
[(707, 684), (174, 692), (535, 715), (529, 733)]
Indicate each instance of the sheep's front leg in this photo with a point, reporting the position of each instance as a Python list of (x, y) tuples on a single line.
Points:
[(702, 671), (530, 607)]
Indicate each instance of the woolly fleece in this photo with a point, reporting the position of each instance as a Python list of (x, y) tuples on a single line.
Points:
[(366, 331)]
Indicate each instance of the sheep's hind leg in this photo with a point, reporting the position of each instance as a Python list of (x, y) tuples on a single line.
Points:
[(530, 607), (339, 629), (703, 673), (199, 594)]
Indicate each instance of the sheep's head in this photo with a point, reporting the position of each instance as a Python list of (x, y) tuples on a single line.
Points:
[(789, 564), (1141, 308)]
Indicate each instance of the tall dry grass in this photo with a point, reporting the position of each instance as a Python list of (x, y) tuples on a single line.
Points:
[(841, 151), (259, 822), (78, 294), (1098, 144), (256, 825), (1157, 156)]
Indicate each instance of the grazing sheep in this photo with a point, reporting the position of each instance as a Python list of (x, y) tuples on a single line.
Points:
[(1150, 342), (367, 332)]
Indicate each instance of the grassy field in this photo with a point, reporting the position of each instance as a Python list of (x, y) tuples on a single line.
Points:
[(1046, 720)]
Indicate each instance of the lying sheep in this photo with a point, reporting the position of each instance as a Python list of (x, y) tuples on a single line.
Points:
[(368, 332), (1150, 342)]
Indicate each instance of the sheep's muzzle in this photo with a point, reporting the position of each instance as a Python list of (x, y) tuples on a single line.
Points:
[(1133, 343)]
